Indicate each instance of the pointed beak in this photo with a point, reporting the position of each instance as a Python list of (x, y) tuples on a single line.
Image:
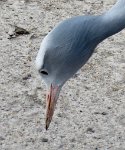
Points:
[(51, 99)]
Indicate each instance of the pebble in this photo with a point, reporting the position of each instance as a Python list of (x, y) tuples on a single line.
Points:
[(44, 140)]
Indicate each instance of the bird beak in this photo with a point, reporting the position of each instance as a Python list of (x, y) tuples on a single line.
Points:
[(51, 99)]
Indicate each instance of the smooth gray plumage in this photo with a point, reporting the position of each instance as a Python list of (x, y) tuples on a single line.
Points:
[(70, 44)]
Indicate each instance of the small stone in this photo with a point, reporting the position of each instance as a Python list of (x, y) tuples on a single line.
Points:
[(90, 130), (96, 113), (75, 75), (104, 113), (20, 31), (44, 140), (27, 77), (59, 115), (109, 107), (39, 87), (33, 36), (62, 136), (11, 32)]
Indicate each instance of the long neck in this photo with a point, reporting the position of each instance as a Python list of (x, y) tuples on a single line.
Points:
[(113, 21)]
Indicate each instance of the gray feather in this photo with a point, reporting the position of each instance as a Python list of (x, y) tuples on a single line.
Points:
[(71, 43)]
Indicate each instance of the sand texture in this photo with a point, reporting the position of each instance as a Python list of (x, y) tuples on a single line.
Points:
[(90, 113)]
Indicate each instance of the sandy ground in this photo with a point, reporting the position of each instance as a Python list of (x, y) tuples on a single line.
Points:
[(90, 113)]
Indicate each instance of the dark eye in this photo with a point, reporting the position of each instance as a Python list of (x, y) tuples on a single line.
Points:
[(43, 72)]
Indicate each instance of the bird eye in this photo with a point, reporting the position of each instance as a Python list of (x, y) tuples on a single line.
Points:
[(43, 72)]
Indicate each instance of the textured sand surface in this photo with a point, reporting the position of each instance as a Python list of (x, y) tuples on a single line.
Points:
[(90, 113)]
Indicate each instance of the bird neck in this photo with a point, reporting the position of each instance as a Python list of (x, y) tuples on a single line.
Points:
[(114, 19)]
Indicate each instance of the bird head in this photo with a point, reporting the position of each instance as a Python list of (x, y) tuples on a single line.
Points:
[(62, 53), (55, 68)]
